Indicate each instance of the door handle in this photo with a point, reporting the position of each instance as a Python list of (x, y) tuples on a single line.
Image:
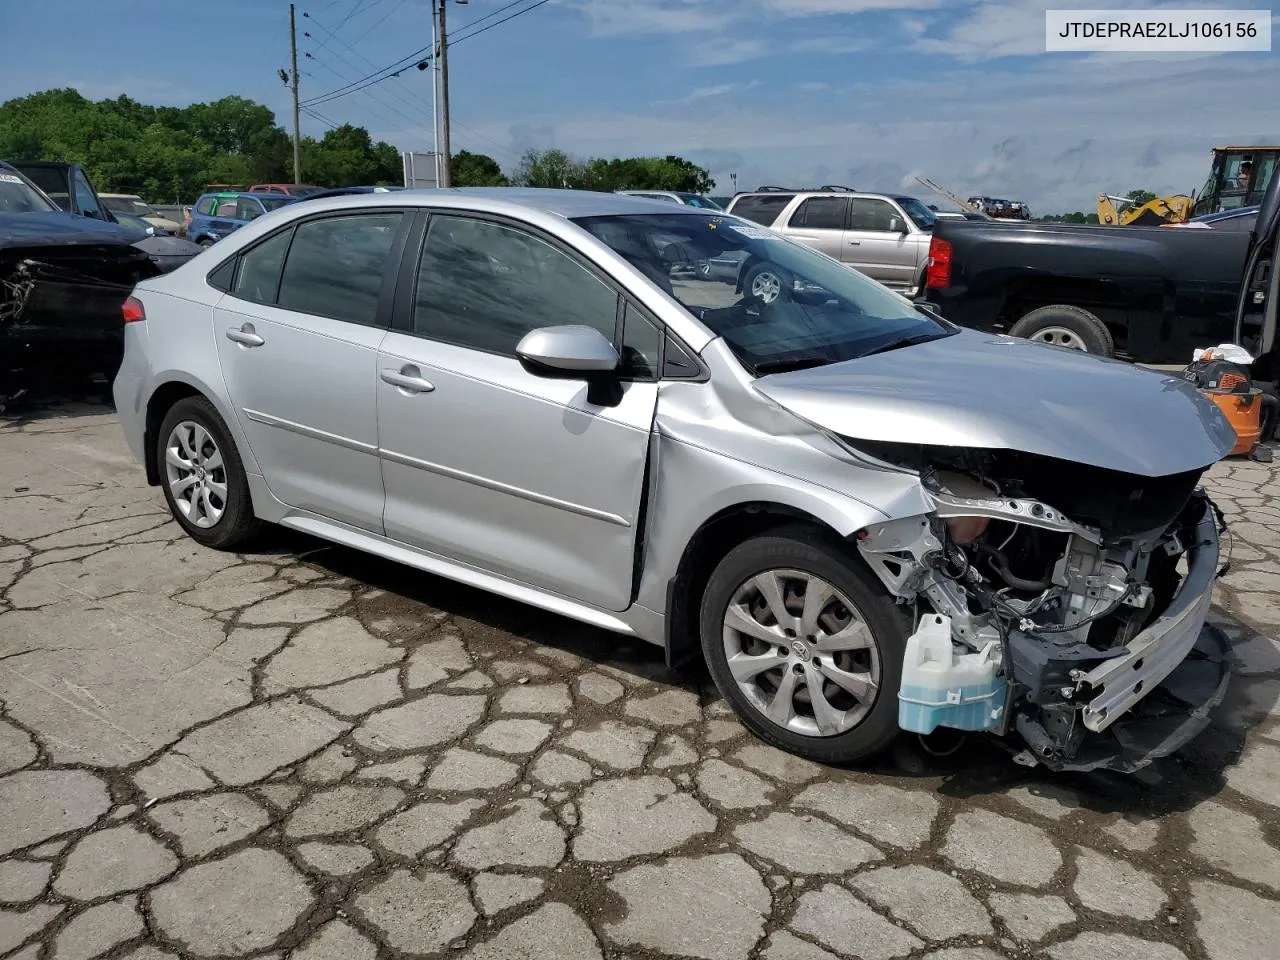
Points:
[(855, 243), (407, 378), (245, 336)]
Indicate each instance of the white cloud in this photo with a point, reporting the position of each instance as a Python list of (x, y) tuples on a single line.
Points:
[(1055, 136)]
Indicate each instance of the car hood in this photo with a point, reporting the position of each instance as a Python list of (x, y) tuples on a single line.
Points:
[(60, 229), (993, 392)]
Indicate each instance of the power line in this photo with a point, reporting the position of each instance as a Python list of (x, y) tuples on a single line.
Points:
[(413, 121), (403, 97), (498, 23), (394, 69), (378, 23), (487, 16)]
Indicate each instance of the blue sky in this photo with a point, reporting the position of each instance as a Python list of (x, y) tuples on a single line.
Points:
[(861, 92)]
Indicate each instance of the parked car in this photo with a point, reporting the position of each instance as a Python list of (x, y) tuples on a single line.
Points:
[(885, 236), (69, 187), (133, 205), (675, 196), (217, 215), (288, 189), (526, 391), (1147, 294), (63, 278), (1240, 218)]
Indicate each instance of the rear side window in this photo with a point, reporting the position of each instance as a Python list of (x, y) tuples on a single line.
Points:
[(821, 213), (205, 206), (248, 208), (335, 266), (763, 208), (259, 273)]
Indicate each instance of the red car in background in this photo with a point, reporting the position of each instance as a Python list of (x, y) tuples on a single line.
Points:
[(292, 189)]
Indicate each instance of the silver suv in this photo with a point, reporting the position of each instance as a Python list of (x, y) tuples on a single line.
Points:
[(862, 517), (885, 236)]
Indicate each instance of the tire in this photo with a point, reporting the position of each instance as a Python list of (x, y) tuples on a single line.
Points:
[(205, 242), (1066, 326), (766, 284), (200, 439), (857, 727)]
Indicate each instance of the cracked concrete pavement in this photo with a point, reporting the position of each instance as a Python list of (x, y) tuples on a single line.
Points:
[(305, 752)]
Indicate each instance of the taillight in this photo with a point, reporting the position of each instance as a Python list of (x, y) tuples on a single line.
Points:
[(938, 272), (132, 311)]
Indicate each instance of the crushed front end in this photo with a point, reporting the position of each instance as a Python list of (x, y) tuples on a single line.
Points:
[(1075, 598)]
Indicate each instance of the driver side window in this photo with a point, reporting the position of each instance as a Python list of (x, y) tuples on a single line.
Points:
[(871, 215), (484, 285), (85, 200)]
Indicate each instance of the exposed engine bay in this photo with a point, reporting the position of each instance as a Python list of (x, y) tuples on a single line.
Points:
[(1075, 600)]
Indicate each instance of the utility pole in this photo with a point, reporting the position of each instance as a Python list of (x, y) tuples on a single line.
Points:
[(297, 141), (446, 164)]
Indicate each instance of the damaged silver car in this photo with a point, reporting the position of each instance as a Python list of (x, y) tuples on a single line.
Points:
[(674, 424)]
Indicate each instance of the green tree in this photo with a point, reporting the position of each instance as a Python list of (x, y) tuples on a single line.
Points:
[(555, 168), (172, 153), (476, 170), (1139, 197)]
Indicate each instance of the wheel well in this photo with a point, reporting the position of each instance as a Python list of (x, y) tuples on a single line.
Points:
[(161, 402), (1099, 297), (716, 537)]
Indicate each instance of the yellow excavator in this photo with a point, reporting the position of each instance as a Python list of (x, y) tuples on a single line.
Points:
[(1238, 177), (1125, 212)]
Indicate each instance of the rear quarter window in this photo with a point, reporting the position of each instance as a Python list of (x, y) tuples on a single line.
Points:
[(762, 209)]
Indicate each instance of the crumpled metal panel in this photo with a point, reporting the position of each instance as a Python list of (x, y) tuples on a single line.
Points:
[(982, 391)]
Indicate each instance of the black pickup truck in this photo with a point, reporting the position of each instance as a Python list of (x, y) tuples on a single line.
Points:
[(1147, 294)]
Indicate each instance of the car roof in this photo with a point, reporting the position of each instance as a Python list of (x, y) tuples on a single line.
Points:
[(568, 204)]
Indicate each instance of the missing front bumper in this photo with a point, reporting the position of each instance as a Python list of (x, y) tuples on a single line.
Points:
[(1172, 714)]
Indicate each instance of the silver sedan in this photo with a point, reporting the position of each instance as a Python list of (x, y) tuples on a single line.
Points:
[(862, 518)]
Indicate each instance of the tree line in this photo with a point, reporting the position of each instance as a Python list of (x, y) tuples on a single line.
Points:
[(172, 154)]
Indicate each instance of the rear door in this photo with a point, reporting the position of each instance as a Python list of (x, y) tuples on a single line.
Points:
[(821, 222), (876, 245), (298, 338), (488, 464)]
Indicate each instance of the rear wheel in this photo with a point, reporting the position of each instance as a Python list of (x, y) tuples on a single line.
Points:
[(205, 242), (1066, 326), (806, 645), (202, 476)]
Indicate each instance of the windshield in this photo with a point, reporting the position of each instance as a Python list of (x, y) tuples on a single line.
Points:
[(704, 203), (922, 216), (130, 205), (777, 303), (18, 196), (272, 203)]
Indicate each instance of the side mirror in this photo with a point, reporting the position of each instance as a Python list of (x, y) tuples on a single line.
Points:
[(574, 352), (897, 225), (572, 349)]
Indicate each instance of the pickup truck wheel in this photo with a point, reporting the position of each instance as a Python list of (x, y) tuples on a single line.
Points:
[(1066, 326), (806, 645), (205, 242)]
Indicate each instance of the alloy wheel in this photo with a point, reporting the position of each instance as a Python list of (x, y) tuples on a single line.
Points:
[(801, 653), (766, 287), (196, 474)]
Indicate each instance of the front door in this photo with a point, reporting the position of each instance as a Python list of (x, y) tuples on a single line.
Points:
[(819, 222), (298, 339), (876, 246), (488, 464)]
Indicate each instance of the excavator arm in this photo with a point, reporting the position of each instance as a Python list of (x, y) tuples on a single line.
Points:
[(1153, 213)]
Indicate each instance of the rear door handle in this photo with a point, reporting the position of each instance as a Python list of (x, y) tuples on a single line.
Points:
[(407, 378), (245, 336), (855, 243)]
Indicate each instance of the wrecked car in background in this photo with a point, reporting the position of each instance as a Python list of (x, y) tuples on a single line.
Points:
[(63, 279), (863, 517)]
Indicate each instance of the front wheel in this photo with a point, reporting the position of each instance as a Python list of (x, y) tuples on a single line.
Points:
[(766, 284), (203, 478), (806, 645), (205, 242)]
